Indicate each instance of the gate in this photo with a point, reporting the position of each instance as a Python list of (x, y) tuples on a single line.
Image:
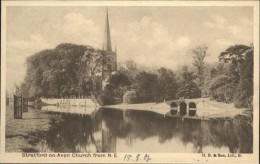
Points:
[(18, 107)]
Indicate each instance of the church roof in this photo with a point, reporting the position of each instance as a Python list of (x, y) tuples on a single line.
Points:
[(107, 38)]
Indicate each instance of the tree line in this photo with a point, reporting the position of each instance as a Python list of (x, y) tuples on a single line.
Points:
[(228, 80), (71, 69)]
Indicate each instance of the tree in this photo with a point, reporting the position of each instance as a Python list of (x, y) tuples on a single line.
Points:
[(129, 68), (166, 85), (222, 89), (188, 88), (234, 55), (116, 87), (210, 72), (244, 95), (147, 86), (68, 69), (233, 77)]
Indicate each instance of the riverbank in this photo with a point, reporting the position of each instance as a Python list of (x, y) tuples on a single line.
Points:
[(205, 108), (22, 135)]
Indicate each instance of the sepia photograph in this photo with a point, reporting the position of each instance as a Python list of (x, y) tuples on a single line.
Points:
[(130, 79)]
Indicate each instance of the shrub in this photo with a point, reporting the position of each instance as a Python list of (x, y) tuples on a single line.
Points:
[(222, 89), (130, 97), (243, 100), (189, 90)]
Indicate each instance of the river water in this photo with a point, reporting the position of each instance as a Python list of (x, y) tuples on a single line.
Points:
[(114, 130)]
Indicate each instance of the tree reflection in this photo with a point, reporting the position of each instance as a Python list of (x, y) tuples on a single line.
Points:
[(147, 124), (70, 133), (100, 131)]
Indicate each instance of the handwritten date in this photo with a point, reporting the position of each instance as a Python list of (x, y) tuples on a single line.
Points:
[(138, 157)]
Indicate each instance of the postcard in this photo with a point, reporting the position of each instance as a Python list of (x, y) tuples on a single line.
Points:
[(130, 82)]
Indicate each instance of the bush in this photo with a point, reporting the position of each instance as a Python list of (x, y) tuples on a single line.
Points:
[(130, 97), (189, 90), (222, 89), (243, 100)]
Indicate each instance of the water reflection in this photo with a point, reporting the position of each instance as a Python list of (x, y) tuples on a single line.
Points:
[(113, 130)]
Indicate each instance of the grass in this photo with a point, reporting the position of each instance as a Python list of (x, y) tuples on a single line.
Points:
[(22, 134)]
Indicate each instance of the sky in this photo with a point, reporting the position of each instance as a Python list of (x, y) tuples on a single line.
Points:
[(151, 36)]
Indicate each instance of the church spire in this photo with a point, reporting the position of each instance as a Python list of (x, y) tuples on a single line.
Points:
[(107, 38)]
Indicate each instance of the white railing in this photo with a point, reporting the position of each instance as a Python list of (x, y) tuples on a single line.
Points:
[(70, 102)]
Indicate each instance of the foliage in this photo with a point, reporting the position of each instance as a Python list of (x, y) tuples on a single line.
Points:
[(166, 85), (130, 97), (210, 72), (155, 86), (244, 94), (198, 54), (68, 69), (234, 54), (222, 89), (147, 83), (76, 69), (188, 88), (116, 87), (232, 79), (129, 68)]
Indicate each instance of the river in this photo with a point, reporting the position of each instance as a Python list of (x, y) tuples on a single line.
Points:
[(114, 130)]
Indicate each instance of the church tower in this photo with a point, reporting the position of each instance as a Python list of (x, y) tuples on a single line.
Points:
[(107, 39), (110, 62)]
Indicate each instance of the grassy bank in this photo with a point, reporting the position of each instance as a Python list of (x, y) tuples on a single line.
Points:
[(22, 134)]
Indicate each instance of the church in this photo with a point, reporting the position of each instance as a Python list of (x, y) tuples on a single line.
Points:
[(110, 62)]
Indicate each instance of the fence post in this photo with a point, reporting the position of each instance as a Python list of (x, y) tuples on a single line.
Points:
[(18, 107), (15, 107), (22, 105), (7, 101), (25, 104)]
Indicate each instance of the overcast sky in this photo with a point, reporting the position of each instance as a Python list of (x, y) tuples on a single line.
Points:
[(152, 36)]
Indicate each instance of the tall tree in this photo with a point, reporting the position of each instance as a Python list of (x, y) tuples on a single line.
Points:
[(68, 69), (167, 85), (129, 68), (234, 82), (147, 86), (234, 56), (198, 54), (244, 94), (115, 88), (188, 88)]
